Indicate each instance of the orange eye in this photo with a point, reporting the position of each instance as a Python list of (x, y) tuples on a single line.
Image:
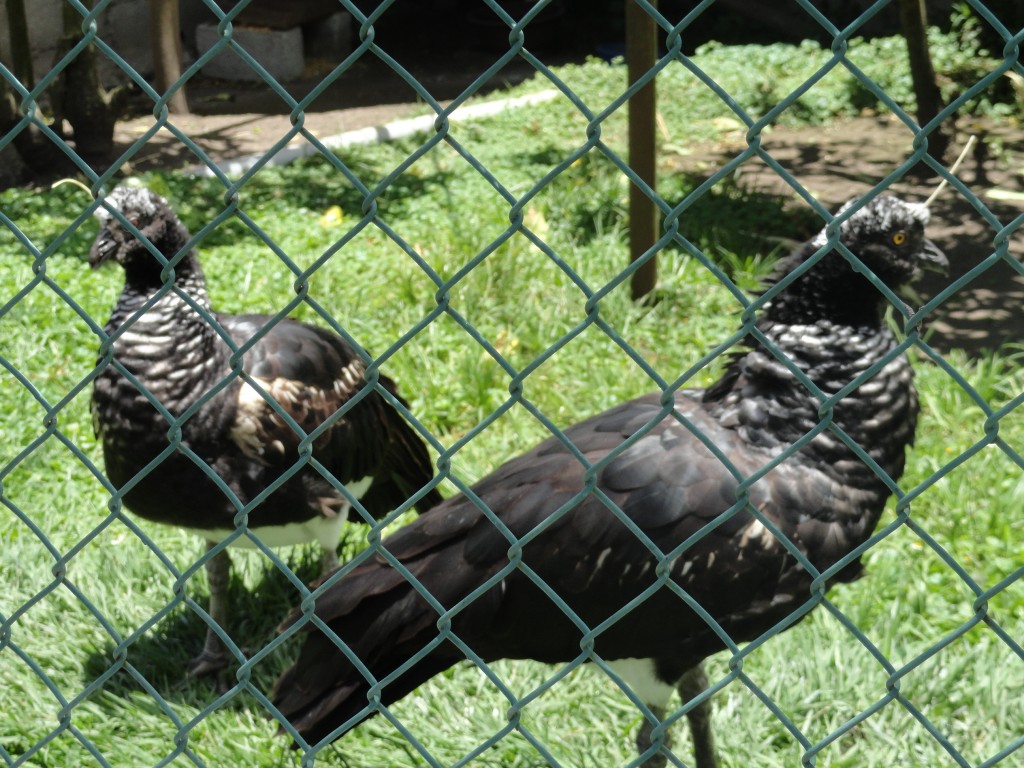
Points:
[(899, 238)]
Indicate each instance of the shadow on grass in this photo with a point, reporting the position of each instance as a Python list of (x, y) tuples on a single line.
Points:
[(310, 186), (592, 198), (162, 654)]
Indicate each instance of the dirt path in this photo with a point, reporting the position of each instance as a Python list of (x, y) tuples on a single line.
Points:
[(225, 137), (846, 159)]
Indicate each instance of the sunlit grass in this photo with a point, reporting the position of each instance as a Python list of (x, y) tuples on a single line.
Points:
[(82, 582)]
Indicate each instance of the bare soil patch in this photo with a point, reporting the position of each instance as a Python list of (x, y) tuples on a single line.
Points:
[(846, 159)]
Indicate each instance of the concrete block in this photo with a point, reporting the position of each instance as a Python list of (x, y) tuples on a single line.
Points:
[(279, 51), (278, 15), (330, 38)]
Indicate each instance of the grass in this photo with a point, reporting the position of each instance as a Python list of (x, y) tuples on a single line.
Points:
[(81, 581)]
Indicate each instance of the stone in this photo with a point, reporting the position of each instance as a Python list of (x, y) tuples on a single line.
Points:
[(279, 51), (330, 38)]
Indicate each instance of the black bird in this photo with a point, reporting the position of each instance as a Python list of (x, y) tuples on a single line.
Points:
[(188, 407), (657, 465)]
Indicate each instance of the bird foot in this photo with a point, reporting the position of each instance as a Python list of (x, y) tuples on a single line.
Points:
[(209, 663)]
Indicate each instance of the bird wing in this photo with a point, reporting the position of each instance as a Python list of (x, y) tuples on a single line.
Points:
[(308, 374), (583, 545), (303, 372), (561, 540)]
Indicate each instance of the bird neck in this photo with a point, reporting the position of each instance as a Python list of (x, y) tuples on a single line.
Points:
[(168, 323), (145, 275), (772, 407), (148, 285), (831, 290)]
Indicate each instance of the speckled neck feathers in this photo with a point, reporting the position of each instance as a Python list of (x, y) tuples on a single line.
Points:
[(829, 324), (770, 407), (151, 318)]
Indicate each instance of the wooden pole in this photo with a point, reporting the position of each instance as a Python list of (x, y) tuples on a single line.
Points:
[(165, 36), (641, 55), (914, 20)]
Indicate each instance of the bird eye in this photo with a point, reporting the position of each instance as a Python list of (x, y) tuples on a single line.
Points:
[(899, 238)]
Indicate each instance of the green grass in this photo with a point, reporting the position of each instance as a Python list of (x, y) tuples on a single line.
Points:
[(62, 645)]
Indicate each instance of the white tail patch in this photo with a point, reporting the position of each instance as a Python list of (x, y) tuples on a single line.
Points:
[(640, 676), (323, 529), (757, 533)]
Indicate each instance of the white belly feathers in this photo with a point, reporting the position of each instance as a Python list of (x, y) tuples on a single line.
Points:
[(323, 529)]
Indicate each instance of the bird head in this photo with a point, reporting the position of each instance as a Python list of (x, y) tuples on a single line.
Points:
[(887, 235), (148, 215)]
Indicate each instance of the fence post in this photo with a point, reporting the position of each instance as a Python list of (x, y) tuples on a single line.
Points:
[(914, 21), (641, 54)]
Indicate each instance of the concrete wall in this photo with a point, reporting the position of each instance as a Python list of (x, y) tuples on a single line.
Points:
[(124, 25)]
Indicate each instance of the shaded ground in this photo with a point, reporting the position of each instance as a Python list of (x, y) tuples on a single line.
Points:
[(846, 159), (446, 51)]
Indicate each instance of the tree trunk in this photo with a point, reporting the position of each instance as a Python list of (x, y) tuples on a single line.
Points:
[(29, 150), (21, 52), (914, 21), (165, 30), (12, 165), (79, 97)]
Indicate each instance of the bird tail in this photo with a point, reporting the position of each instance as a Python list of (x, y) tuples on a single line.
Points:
[(411, 469), (408, 462), (382, 622)]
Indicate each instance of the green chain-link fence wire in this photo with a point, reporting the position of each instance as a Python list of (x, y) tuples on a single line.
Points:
[(179, 745)]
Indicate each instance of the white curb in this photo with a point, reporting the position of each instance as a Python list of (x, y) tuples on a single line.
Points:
[(388, 132)]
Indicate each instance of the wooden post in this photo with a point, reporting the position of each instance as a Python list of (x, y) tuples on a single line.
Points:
[(165, 36), (641, 54), (914, 20)]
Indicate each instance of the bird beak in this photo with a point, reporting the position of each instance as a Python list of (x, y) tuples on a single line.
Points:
[(102, 249), (934, 259)]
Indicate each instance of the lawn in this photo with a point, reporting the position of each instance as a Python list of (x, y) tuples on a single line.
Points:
[(91, 666)]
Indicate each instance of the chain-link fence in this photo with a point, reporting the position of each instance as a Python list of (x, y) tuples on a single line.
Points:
[(919, 663)]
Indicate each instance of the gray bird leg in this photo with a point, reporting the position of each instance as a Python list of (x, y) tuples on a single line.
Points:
[(214, 657), (329, 560), (643, 740), (691, 685)]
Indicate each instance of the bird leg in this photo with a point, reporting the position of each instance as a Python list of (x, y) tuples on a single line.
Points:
[(329, 560), (215, 656), (643, 740), (691, 685)]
